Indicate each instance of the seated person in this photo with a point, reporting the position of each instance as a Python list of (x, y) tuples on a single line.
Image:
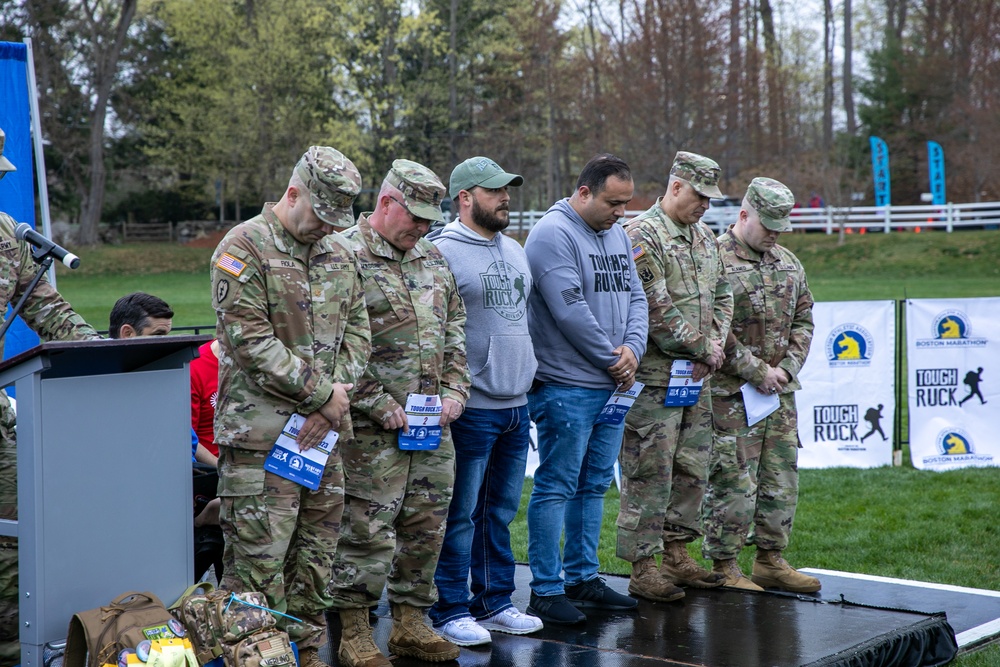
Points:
[(139, 314), (204, 392)]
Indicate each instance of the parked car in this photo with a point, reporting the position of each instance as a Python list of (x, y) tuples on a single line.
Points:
[(721, 213)]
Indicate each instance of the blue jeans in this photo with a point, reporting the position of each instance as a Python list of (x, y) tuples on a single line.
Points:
[(576, 467), (491, 449)]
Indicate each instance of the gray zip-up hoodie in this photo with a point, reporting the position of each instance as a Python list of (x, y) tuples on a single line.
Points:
[(494, 281), (587, 300)]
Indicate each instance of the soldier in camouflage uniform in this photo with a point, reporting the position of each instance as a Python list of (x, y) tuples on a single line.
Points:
[(397, 500), (52, 318), (666, 452), (754, 479), (294, 338)]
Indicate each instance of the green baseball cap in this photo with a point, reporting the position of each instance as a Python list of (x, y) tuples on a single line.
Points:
[(482, 172), (701, 172), (5, 164), (333, 182), (773, 201), (422, 190)]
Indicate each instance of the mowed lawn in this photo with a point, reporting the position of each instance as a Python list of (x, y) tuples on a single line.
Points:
[(894, 522)]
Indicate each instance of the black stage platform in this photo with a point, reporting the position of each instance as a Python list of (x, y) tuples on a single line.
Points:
[(856, 621)]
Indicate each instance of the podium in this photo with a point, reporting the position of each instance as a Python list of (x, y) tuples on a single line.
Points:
[(104, 477)]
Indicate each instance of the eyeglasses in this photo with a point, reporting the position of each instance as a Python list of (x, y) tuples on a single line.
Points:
[(415, 219)]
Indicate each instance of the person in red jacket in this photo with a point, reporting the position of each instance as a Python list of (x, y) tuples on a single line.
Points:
[(204, 392)]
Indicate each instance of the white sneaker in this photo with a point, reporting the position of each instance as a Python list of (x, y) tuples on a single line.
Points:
[(513, 622), (464, 631)]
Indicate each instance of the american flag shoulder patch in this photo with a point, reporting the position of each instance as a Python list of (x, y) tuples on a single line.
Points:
[(230, 265), (572, 295), (638, 251)]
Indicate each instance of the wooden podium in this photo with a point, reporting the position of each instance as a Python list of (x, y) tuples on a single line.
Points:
[(104, 477)]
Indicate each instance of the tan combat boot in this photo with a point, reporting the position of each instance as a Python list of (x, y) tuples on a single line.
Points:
[(309, 657), (357, 646), (647, 582), (410, 636), (770, 570), (735, 578), (683, 570)]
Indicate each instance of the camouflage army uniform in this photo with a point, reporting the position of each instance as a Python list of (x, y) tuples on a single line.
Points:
[(397, 501), (754, 480), (53, 319), (291, 322), (665, 454)]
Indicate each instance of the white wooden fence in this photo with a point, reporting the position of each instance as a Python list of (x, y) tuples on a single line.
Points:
[(949, 217)]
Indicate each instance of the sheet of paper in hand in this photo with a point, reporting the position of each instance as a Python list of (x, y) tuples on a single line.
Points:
[(305, 468), (758, 406), (682, 390), (423, 416), (618, 405)]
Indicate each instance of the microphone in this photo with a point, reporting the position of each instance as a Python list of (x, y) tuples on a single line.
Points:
[(24, 232)]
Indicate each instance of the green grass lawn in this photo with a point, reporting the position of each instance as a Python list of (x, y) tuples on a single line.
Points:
[(894, 522), (177, 274)]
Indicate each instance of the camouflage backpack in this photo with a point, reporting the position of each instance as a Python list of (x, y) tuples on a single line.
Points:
[(238, 627)]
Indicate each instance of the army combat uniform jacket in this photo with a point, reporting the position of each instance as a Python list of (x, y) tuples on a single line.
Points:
[(417, 322), (291, 322), (772, 316), (690, 300)]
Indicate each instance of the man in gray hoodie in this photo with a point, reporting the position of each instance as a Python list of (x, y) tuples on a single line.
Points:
[(492, 435), (588, 320)]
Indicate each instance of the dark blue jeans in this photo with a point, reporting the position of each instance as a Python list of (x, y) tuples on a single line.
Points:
[(491, 448), (576, 467)]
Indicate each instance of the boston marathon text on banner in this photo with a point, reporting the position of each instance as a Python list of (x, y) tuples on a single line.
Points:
[(953, 380), (847, 402)]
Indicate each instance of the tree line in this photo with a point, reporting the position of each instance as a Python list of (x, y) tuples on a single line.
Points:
[(176, 109)]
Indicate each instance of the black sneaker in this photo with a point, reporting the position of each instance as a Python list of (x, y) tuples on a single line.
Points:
[(595, 594), (555, 609)]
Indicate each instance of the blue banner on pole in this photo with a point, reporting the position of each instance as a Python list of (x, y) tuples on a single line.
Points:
[(880, 171), (935, 165), (17, 188)]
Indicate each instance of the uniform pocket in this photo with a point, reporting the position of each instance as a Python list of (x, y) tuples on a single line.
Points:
[(635, 459), (244, 514)]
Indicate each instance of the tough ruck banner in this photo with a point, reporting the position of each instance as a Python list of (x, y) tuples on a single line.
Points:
[(846, 406), (953, 382)]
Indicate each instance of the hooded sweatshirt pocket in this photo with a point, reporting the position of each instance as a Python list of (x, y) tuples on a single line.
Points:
[(509, 369)]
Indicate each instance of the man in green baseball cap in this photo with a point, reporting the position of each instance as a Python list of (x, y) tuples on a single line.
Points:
[(480, 172), (754, 477)]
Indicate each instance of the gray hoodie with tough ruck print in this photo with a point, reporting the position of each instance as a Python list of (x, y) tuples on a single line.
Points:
[(494, 281), (586, 302)]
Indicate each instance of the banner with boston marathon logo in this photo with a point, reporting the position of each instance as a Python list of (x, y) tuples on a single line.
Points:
[(847, 402), (953, 382)]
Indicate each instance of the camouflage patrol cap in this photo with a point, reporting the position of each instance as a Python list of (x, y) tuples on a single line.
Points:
[(701, 172), (773, 202), (422, 189), (332, 181), (5, 164), (482, 172)]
